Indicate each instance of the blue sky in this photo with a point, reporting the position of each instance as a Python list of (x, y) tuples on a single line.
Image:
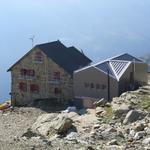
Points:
[(101, 28)]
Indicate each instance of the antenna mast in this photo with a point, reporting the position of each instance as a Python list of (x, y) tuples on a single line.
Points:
[(32, 40)]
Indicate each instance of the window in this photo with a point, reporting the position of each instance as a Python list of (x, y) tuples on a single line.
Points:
[(34, 88), (92, 85), (57, 91), (103, 87), (38, 56), (57, 75), (30, 73), (22, 86), (23, 72), (97, 86), (27, 73)]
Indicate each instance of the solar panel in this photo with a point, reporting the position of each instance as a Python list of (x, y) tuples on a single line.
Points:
[(118, 66)]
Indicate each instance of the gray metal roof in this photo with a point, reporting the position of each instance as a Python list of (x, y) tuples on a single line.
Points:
[(105, 67), (116, 65), (126, 57), (70, 59)]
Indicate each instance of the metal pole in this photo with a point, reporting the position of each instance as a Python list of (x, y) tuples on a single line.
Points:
[(134, 73), (108, 83), (32, 40)]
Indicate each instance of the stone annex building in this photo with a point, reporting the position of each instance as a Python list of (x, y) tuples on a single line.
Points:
[(46, 71)]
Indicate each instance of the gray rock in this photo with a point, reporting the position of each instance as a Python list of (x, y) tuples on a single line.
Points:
[(139, 127), (146, 148), (72, 115), (99, 111), (120, 134), (139, 135), (112, 142), (132, 133), (120, 109), (71, 136), (82, 111), (96, 126), (147, 130), (146, 141), (51, 124), (108, 104), (101, 102), (133, 115), (114, 147), (109, 134)]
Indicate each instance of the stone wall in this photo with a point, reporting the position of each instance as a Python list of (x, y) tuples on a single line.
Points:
[(43, 79)]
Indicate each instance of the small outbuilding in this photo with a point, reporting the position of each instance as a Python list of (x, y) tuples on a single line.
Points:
[(110, 78)]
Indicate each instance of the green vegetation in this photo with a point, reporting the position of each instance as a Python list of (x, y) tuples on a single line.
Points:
[(108, 115), (145, 102)]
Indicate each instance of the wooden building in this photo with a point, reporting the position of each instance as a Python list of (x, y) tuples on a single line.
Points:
[(45, 72)]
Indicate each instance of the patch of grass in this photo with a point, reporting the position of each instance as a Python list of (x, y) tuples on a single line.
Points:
[(108, 115), (145, 103)]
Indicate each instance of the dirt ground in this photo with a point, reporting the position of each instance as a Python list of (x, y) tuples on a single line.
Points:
[(15, 122)]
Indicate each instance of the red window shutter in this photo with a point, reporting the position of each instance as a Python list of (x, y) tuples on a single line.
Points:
[(57, 75), (23, 72), (23, 86), (28, 73), (38, 56), (34, 88), (31, 73)]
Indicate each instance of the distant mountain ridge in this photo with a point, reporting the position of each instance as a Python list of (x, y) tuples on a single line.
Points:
[(146, 58)]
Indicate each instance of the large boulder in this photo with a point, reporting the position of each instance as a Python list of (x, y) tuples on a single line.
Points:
[(146, 141), (133, 115), (139, 135), (120, 109), (109, 134), (101, 103), (99, 111), (51, 124)]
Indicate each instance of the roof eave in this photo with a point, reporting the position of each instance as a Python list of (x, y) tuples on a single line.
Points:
[(21, 59)]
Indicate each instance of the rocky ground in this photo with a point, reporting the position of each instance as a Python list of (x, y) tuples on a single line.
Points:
[(123, 124)]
